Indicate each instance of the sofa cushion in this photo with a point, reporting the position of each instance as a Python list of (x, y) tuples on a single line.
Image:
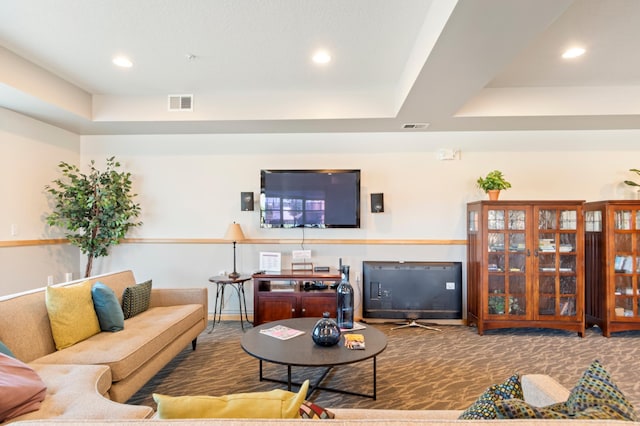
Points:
[(275, 404), (136, 299), (71, 314), (485, 406), (21, 389), (108, 309), (126, 351)]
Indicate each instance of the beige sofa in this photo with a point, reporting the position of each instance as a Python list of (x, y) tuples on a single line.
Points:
[(93, 378), (538, 389)]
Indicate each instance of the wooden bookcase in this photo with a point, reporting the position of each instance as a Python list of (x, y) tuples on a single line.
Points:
[(282, 295), (612, 265), (525, 265)]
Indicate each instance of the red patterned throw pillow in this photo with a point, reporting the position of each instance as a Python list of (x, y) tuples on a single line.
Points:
[(21, 389), (309, 410)]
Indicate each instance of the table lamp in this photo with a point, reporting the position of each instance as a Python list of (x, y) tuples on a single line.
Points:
[(234, 233)]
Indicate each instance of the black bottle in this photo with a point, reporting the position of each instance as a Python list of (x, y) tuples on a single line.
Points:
[(344, 294)]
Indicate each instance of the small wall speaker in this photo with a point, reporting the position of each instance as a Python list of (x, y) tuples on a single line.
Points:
[(246, 201), (377, 203)]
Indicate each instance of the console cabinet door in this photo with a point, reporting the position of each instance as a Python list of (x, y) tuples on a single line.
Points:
[(273, 307), (315, 306)]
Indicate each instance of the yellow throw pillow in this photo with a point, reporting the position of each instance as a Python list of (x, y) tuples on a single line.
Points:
[(275, 404), (71, 314)]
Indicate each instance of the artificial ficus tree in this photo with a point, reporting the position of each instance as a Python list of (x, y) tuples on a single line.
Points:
[(97, 208)]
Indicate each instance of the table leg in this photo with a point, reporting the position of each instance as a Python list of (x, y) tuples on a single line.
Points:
[(374, 379), (244, 300), (239, 288), (216, 310)]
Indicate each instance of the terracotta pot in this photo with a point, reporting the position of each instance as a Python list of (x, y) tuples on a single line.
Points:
[(493, 194)]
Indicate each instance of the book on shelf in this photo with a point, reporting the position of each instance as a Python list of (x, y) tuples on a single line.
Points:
[(282, 332), (354, 341)]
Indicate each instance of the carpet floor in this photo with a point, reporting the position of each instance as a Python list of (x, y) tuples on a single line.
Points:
[(420, 369)]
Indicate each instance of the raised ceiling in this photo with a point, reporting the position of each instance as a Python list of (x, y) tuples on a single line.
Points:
[(454, 65)]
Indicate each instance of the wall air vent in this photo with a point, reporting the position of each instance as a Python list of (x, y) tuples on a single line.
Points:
[(415, 125), (180, 102)]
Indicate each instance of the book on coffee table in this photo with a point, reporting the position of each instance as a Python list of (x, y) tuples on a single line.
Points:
[(281, 332), (354, 341)]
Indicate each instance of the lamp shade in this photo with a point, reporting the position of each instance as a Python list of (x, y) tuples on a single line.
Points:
[(234, 233)]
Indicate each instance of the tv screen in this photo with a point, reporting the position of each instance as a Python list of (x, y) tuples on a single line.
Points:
[(310, 198), (412, 290)]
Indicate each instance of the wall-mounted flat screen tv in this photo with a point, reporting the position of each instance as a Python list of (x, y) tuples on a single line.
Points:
[(310, 198)]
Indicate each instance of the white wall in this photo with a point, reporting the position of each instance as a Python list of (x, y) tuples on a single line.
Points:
[(190, 186), (29, 153)]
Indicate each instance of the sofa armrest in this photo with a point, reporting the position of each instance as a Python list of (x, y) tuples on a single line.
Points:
[(541, 390), (180, 296)]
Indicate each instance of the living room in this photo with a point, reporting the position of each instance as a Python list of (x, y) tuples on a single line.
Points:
[(189, 180)]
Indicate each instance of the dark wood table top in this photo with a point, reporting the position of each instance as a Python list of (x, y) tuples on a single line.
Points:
[(302, 351), (223, 279)]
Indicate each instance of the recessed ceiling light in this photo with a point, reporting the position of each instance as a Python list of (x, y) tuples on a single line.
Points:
[(122, 61), (321, 57), (574, 52)]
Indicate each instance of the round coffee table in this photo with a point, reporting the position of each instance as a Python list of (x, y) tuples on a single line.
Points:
[(301, 351)]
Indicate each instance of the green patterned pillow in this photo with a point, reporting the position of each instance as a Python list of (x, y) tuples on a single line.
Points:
[(595, 396), (517, 409), (136, 299), (596, 387), (485, 406)]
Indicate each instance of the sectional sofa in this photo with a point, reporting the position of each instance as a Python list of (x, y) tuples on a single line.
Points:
[(93, 378), (539, 390)]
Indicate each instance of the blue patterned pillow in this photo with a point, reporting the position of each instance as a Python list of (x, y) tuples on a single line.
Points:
[(595, 396), (485, 406), (518, 409), (596, 387)]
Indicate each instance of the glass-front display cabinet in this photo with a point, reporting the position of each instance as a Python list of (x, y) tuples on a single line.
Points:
[(525, 265), (612, 265)]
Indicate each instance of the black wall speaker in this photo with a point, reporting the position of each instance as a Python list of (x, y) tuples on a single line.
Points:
[(377, 203), (246, 201)]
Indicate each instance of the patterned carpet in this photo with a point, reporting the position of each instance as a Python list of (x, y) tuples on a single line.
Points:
[(420, 369)]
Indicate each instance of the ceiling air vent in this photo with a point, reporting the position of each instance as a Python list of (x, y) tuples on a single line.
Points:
[(415, 126), (180, 102)]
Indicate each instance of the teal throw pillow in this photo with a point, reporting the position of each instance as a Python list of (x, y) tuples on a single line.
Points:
[(136, 299), (5, 350), (108, 309), (485, 406)]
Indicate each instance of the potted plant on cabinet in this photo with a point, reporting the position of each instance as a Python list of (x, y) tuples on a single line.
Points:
[(630, 182), (493, 183), (97, 209)]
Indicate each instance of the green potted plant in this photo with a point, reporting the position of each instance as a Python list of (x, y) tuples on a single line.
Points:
[(96, 208), (493, 183), (630, 182)]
